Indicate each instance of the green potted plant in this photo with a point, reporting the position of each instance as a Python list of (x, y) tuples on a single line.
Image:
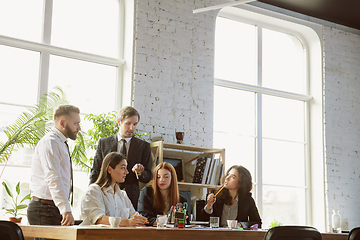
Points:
[(31, 125), (275, 224), (16, 204)]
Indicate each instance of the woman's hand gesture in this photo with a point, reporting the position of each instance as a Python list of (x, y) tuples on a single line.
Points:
[(211, 199)]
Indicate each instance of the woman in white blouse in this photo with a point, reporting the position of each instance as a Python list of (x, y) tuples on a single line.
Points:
[(104, 199)]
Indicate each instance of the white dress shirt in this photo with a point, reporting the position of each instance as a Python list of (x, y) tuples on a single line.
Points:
[(127, 144), (50, 170), (97, 203)]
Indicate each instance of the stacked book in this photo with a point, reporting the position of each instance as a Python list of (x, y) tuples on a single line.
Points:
[(208, 169)]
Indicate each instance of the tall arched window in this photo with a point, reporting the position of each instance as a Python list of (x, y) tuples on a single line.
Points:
[(261, 111)]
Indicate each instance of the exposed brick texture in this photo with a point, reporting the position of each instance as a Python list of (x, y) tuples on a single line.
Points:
[(342, 124), (173, 69)]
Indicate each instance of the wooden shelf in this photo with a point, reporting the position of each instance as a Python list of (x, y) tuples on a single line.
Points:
[(188, 154), (198, 185), (157, 150), (184, 147)]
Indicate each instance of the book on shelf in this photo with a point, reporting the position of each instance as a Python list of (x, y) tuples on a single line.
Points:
[(206, 170), (215, 171), (199, 169), (221, 169), (206, 173), (211, 169)]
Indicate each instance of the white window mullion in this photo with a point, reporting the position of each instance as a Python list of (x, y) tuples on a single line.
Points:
[(44, 74), (307, 154), (48, 7), (267, 91), (259, 180), (45, 55), (119, 85), (122, 28), (259, 189), (308, 206), (63, 52)]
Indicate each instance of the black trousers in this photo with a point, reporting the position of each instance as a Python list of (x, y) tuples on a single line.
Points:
[(39, 213)]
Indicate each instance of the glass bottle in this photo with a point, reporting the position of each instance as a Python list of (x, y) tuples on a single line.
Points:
[(336, 221)]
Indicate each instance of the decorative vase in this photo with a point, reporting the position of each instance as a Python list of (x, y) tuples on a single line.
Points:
[(179, 137), (15, 220), (336, 222)]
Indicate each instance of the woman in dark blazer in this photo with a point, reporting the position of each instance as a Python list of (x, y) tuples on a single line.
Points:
[(164, 193), (234, 201)]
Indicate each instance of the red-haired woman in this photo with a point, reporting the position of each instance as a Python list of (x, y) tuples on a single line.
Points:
[(234, 201), (164, 193)]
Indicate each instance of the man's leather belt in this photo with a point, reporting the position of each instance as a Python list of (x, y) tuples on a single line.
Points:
[(43, 200)]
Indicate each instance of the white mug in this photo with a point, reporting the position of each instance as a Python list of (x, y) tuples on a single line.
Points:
[(114, 221)]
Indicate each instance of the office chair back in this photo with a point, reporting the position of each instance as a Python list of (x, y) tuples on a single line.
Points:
[(354, 234), (10, 231), (292, 233)]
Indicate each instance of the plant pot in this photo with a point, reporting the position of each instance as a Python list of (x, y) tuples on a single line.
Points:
[(15, 220)]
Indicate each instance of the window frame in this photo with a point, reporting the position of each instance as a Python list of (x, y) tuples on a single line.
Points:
[(123, 83), (309, 35), (46, 49)]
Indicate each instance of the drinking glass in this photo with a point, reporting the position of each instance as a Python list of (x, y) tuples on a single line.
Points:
[(214, 222), (232, 223), (161, 221)]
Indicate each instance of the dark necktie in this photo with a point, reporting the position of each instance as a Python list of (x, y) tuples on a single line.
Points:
[(71, 181), (123, 147)]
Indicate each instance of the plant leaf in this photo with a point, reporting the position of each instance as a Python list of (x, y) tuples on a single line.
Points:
[(18, 188), (27, 197), (22, 206), (7, 189), (78, 154), (10, 210), (31, 125)]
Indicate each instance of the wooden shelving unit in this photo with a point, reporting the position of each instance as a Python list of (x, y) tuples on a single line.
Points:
[(188, 154)]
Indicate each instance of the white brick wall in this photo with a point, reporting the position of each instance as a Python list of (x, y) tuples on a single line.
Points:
[(342, 124), (173, 69)]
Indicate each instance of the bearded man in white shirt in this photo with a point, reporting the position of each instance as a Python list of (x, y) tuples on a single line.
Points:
[(51, 171)]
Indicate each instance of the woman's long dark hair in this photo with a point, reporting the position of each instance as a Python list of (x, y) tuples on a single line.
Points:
[(159, 202), (112, 159), (244, 185)]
